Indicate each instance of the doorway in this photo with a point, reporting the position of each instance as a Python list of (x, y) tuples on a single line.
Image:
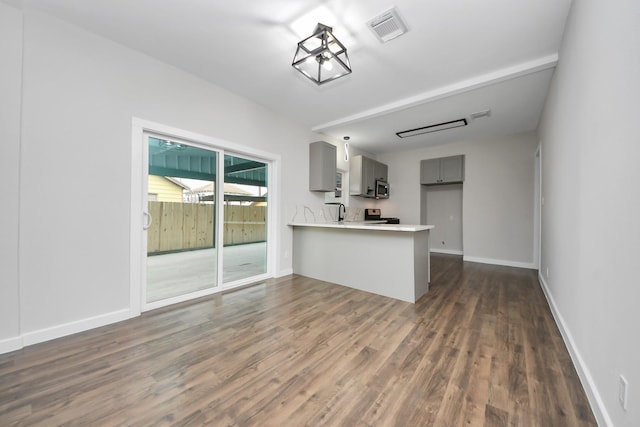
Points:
[(441, 205)]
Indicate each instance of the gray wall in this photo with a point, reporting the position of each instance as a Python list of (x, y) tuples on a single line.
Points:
[(10, 87), (79, 94), (591, 190), (498, 195)]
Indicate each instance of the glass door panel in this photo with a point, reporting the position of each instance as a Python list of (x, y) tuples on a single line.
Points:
[(245, 218), (181, 241)]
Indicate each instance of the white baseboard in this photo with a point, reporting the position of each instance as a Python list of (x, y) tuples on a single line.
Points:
[(445, 251), (11, 344), (285, 272), (597, 405), (505, 263), (70, 328)]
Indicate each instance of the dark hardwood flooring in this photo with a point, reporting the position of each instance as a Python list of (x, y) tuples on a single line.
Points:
[(479, 349)]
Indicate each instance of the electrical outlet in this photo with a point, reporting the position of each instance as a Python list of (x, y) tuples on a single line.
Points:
[(623, 390)]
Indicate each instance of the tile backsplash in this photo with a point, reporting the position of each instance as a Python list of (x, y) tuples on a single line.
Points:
[(324, 214)]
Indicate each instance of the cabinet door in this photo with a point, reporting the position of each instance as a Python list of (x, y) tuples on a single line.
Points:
[(452, 169), (322, 166), (381, 172), (368, 177), (430, 171), (355, 176)]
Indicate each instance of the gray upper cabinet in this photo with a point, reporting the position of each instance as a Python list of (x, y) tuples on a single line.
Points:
[(364, 172), (430, 171), (452, 169), (361, 177), (380, 171), (443, 170), (322, 166)]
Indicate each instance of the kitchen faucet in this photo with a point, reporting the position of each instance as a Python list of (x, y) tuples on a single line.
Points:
[(342, 211)]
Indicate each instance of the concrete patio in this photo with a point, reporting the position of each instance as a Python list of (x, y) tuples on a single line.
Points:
[(180, 273)]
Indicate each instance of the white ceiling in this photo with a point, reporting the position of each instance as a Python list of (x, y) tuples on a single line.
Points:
[(458, 57)]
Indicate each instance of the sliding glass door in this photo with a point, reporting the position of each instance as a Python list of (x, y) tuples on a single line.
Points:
[(181, 239), (245, 218), (204, 230)]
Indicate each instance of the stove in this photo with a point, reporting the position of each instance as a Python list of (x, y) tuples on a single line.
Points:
[(375, 215)]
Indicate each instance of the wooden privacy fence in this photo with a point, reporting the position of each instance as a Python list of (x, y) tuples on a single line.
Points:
[(186, 226), (244, 224)]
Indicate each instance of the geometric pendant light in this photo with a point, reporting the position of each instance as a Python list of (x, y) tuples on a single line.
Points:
[(321, 57)]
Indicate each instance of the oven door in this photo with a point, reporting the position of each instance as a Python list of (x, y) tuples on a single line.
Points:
[(382, 190)]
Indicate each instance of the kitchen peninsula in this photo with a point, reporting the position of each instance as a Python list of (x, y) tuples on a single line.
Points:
[(386, 259)]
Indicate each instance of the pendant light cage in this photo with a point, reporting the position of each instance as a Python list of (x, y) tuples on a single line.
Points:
[(321, 57)]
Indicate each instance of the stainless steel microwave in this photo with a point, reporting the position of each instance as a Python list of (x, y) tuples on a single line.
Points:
[(382, 190)]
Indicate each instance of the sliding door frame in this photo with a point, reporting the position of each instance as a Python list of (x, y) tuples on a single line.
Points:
[(139, 172)]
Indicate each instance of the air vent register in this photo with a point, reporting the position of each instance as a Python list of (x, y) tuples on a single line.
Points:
[(387, 26)]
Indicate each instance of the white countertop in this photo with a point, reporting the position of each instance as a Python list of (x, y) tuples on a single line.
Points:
[(365, 225)]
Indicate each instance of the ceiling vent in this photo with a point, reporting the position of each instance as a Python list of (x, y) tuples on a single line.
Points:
[(480, 114), (432, 128), (387, 26)]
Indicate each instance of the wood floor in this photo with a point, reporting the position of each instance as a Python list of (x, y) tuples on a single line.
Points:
[(479, 349)]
